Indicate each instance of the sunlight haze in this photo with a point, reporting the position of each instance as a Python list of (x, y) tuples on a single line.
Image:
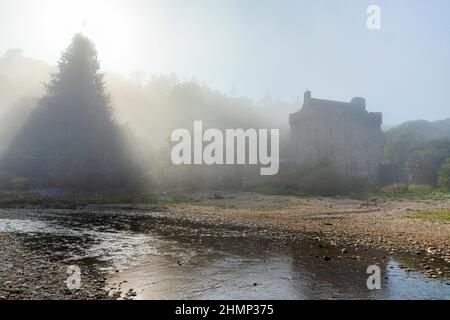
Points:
[(255, 48)]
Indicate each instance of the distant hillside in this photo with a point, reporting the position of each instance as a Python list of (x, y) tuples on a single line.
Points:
[(424, 129)]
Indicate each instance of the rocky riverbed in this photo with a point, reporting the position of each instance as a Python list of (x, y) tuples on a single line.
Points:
[(26, 274), (239, 246), (378, 223)]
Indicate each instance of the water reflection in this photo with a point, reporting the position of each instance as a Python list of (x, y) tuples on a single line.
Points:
[(166, 261)]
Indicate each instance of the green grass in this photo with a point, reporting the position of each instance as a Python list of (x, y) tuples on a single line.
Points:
[(400, 192), (176, 199), (277, 191), (25, 199), (412, 192), (443, 214), (394, 192)]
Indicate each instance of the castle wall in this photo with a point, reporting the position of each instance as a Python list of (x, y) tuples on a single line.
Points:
[(343, 133)]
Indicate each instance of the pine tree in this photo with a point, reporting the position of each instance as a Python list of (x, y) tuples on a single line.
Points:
[(71, 138)]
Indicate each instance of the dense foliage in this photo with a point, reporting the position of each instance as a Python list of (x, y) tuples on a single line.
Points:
[(425, 160), (444, 175), (417, 149)]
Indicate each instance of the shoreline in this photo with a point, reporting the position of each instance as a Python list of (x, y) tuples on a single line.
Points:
[(349, 228)]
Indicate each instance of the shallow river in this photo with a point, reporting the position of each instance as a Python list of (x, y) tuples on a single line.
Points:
[(161, 260)]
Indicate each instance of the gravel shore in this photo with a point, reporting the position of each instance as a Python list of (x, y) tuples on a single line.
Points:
[(26, 274), (342, 223), (378, 223)]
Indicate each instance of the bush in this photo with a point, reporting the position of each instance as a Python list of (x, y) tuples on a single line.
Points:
[(402, 189), (444, 176), (420, 188), (395, 189), (413, 192), (19, 183), (399, 143), (424, 162), (320, 178)]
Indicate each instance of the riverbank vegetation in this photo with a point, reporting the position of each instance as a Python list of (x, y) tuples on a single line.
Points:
[(443, 214), (27, 199)]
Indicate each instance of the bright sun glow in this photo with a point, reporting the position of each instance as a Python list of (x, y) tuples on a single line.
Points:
[(106, 22)]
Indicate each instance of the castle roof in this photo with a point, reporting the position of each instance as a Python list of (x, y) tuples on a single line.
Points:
[(313, 106)]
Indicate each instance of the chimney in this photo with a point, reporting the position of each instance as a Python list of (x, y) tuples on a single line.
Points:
[(359, 103), (307, 96)]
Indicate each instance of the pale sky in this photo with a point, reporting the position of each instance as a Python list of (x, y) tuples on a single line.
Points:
[(283, 47)]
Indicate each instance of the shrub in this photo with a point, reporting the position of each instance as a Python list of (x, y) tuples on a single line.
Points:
[(395, 189), (420, 188), (423, 163), (320, 178), (444, 176), (20, 183)]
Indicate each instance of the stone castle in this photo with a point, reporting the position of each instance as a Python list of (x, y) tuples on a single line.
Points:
[(343, 133)]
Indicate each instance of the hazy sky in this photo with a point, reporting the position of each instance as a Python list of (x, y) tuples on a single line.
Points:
[(283, 47)]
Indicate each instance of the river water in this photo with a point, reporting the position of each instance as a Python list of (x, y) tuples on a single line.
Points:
[(162, 260)]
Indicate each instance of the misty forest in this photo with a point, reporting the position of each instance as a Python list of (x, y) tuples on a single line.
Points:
[(75, 129)]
